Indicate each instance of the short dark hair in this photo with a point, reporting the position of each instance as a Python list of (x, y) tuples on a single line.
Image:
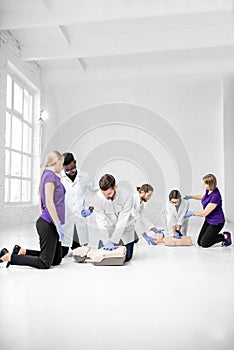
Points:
[(107, 181), (174, 194), (68, 158)]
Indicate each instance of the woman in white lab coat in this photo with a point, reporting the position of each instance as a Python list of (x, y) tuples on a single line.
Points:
[(176, 209)]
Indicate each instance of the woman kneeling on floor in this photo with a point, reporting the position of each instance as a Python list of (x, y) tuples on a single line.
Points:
[(52, 194), (212, 211)]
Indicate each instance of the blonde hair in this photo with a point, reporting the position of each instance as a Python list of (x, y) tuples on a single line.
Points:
[(52, 158), (211, 181)]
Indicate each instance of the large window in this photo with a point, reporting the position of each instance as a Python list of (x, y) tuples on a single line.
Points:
[(18, 142)]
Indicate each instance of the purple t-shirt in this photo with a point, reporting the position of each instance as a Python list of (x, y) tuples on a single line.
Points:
[(59, 196), (216, 216)]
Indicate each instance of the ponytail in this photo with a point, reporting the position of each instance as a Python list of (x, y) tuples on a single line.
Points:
[(145, 188)]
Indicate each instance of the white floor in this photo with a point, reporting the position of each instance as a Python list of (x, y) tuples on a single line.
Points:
[(166, 298)]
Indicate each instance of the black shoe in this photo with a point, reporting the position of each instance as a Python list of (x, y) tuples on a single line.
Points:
[(3, 252), (15, 250), (228, 240)]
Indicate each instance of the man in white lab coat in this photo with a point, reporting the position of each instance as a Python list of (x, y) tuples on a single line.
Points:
[(79, 190), (112, 208), (143, 223)]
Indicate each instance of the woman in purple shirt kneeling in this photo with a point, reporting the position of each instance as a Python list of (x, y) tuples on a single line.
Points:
[(212, 211), (52, 195)]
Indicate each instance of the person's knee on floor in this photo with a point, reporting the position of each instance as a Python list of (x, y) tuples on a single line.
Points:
[(56, 262), (205, 243)]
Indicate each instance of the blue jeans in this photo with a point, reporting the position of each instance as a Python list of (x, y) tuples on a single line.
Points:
[(129, 252)]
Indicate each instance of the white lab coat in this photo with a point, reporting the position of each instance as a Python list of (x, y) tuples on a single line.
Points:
[(77, 197), (114, 218), (174, 217), (142, 222)]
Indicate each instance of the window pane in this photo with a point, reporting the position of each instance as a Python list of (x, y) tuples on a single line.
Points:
[(7, 194), (27, 106), (26, 191), (15, 190), (27, 139), (18, 142), (8, 130), (26, 166), (9, 92), (16, 133), (15, 164), (18, 98), (7, 162)]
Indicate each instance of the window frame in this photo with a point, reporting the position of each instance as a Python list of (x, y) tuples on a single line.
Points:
[(20, 116)]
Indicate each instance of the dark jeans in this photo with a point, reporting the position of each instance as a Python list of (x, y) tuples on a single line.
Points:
[(75, 243), (136, 237), (129, 248), (50, 253), (209, 235), (129, 252)]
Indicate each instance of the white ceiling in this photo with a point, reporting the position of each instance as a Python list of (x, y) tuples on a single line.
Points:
[(92, 39)]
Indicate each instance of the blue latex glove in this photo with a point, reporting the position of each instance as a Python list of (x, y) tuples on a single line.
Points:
[(161, 230), (109, 246), (149, 239), (188, 214), (86, 212), (59, 230), (177, 234), (187, 197)]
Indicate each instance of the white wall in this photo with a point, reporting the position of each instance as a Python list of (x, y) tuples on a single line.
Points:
[(166, 132), (228, 144)]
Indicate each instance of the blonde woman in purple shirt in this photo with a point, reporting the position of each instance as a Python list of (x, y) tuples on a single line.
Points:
[(212, 211), (52, 195)]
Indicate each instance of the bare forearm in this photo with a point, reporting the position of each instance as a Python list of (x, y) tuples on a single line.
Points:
[(197, 196), (39, 205), (210, 207), (200, 213), (52, 211), (49, 200)]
